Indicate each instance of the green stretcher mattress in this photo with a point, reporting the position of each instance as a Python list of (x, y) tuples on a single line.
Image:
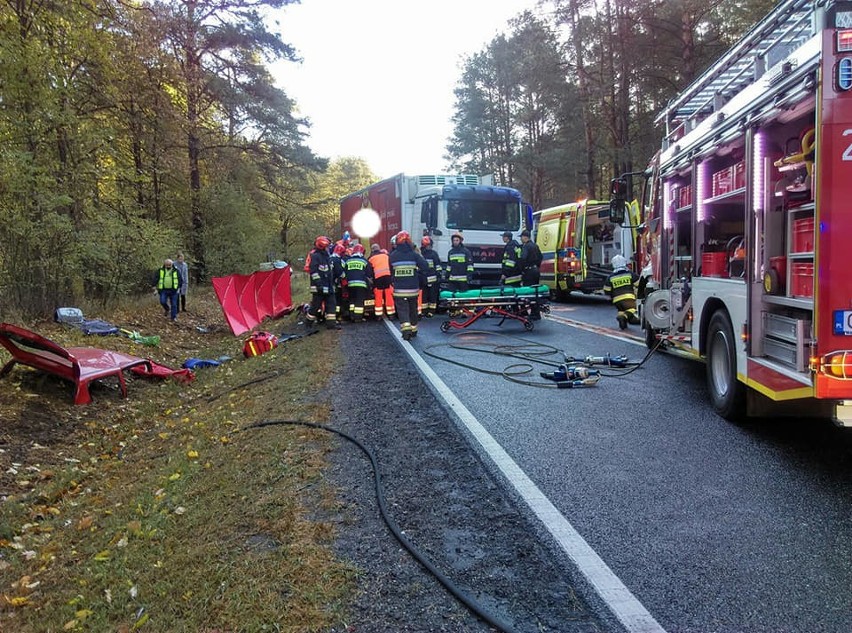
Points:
[(497, 291)]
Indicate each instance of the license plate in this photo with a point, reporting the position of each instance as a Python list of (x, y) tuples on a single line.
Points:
[(843, 322)]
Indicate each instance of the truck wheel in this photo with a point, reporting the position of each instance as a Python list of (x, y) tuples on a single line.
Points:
[(563, 296), (727, 394), (650, 336)]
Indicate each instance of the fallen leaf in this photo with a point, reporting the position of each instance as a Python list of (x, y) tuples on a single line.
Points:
[(192, 454), (86, 522), (174, 477), (102, 556), (70, 625), (141, 621), (17, 601)]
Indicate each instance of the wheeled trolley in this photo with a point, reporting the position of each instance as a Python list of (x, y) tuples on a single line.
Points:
[(507, 302)]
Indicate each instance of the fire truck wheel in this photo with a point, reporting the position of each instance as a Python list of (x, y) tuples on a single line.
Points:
[(650, 336), (726, 392)]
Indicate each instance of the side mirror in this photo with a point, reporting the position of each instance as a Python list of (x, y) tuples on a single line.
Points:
[(617, 210)]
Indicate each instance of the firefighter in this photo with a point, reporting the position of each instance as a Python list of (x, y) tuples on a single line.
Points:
[(359, 274), (341, 294), (510, 271), (620, 287), (459, 265), (325, 271), (382, 282), (433, 286), (409, 271)]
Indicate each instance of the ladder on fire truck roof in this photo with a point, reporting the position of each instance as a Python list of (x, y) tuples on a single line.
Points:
[(784, 29)]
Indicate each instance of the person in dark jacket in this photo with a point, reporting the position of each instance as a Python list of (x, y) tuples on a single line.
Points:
[(459, 265), (409, 271), (324, 272), (510, 271), (168, 283), (620, 287), (433, 279), (530, 260), (359, 275)]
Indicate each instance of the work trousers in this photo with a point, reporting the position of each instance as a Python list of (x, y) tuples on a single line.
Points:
[(383, 294), (430, 298), (317, 301), (406, 309), (531, 276), (357, 295)]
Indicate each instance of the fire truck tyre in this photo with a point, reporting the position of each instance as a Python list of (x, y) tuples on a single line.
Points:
[(445, 326), (650, 336), (726, 392)]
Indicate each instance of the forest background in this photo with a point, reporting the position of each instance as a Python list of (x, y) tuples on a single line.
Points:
[(131, 129)]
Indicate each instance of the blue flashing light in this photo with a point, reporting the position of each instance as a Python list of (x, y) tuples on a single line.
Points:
[(844, 74)]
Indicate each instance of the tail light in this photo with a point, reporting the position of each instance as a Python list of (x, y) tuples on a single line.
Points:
[(835, 364)]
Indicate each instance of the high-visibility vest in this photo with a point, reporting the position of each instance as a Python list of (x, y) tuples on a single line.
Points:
[(168, 284), (380, 264)]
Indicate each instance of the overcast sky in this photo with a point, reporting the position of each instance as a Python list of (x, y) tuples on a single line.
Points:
[(378, 75)]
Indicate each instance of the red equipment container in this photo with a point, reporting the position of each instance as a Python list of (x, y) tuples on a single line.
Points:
[(714, 265), (802, 279), (803, 235)]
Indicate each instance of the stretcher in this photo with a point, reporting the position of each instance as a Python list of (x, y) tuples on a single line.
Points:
[(518, 303)]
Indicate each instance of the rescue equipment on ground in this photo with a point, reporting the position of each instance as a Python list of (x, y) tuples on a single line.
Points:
[(606, 359), (519, 303), (569, 376), (259, 343)]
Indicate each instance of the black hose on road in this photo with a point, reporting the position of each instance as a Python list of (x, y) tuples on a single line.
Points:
[(462, 597)]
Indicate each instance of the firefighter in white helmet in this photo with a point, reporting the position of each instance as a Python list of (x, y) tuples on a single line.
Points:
[(621, 287)]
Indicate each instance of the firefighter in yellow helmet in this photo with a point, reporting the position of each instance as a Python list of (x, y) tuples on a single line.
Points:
[(620, 286)]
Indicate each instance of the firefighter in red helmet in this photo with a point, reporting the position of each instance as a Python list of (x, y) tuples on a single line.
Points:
[(324, 276), (409, 271), (359, 275)]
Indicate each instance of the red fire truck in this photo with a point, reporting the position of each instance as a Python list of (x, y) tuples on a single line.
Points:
[(747, 207)]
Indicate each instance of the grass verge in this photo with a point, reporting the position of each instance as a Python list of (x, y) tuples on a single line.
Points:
[(159, 512)]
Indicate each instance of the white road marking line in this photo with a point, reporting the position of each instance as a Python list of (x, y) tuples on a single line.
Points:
[(618, 598), (599, 329)]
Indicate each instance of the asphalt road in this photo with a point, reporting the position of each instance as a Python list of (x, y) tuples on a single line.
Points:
[(713, 527)]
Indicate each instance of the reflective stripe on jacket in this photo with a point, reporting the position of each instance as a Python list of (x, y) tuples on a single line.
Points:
[(619, 285), (358, 270), (407, 267), (459, 264)]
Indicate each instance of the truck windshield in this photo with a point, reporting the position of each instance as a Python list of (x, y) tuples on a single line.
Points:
[(483, 215)]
